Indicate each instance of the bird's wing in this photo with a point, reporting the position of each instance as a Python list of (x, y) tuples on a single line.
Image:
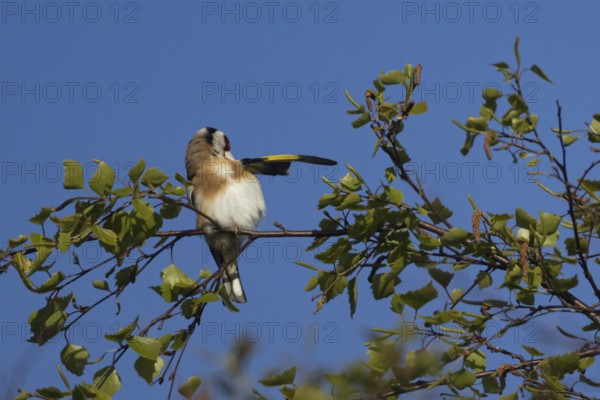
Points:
[(280, 164)]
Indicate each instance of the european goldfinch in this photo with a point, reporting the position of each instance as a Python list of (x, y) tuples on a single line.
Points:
[(226, 190)]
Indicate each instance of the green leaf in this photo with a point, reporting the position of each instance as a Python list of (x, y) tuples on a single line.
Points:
[(456, 295), (390, 174), (352, 296), (285, 378), (103, 179), (418, 298), (175, 283), (379, 86), (549, 223), (394, 77), (154, 177), (329, 199), (395, 195), (559, 366), (387, 111), (205, 273), (487, 111), (524, 220), (64, 241), (42, 216), (51, 283), (462, 379), (107, 381), (469, 141), (84, 391), (335, 251), (16, 242), (227, 300), (349, 202), (428, 242), (438, 212), (149, 369), (476, 124), (490, 385), (170, 210), (355, 173), (73, 175), (571, 245), (454, 236), (476, 360), (491, 94), (100, 284), (288, 392), (365, 118), (144, 209), (123, 333), (51, 392), (501, 65), (175, 190), (350, 183), (122, 192), (208, 298), (308, 392), (383, 285), (358, 110), (179, 178), (563, 285), (591, 187), (441, 277), (332, 284), (106, 236), (146, 347), (538, 71), (396, 304), (136, 172), (125, 276), (484, 279), (594, 130), (533, 352), (190, 386), (382, 356), (312, 283), (585, 363), (569, 139), (48, 321), (74, 358), (190, 308), (419, 108)]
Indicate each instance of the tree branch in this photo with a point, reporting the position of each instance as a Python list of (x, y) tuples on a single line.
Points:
[(502, 371)]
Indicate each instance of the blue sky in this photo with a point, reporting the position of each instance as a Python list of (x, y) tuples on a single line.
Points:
[(123, 80)]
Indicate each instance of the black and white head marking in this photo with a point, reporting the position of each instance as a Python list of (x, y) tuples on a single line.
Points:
[(218, 140)]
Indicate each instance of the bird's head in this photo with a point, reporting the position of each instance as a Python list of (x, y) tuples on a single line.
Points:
[(217, 140)]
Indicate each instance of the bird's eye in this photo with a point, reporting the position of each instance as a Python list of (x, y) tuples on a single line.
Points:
[(227, 143)]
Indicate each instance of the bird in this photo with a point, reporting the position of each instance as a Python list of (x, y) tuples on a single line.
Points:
[(227, 191)]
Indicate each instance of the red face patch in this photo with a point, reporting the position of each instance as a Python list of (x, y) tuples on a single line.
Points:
[(227, 143)]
